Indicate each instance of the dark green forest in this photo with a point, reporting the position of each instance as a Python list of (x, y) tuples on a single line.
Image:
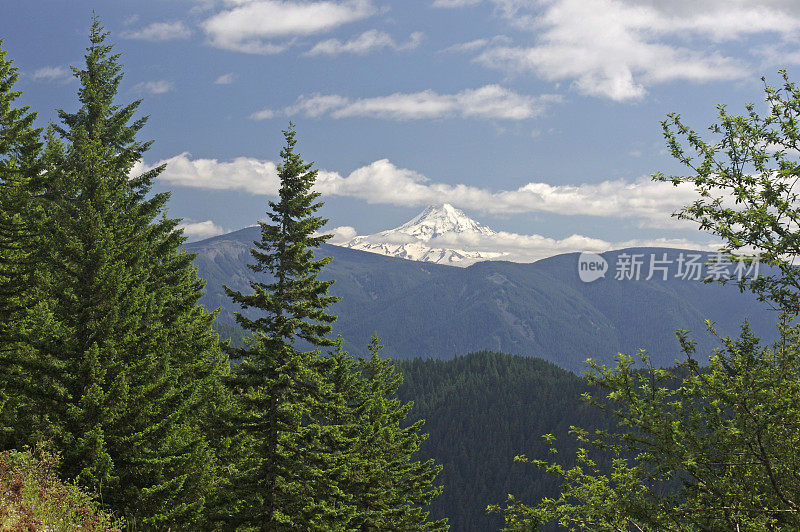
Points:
[(483, 409)]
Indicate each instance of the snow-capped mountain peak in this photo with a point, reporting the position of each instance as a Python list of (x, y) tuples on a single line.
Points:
[(436, 220), (422, 237)]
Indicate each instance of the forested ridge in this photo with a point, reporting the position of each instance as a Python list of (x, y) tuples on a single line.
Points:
[(481, 410), (539, 310)]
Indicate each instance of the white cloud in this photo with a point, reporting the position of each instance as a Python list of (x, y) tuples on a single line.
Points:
[(618, 48), (381, 182), (225, 79), (340, 234), (250, 26), (488, 102), (154, 87), (454, 3), (365, 43), (264, 114), (243, 173), (159, 31), (477, 44), (316, 105), (200, 230), (778, 55), (56, 74), (528, 248)]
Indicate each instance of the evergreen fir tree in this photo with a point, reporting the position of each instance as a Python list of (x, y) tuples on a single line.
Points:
[(387, 488), (19, 161), (128, 371), (282, 483), (19, 164)]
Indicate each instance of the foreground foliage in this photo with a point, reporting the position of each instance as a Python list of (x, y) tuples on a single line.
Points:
[(700, 448), (745, 177), (128, 369), (282, 484), (707, 448), (32, 497)]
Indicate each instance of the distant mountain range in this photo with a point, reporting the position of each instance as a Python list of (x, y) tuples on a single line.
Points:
[(422, 238), (540, 309)]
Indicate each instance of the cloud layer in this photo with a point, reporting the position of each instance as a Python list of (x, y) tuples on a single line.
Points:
[(381, 182), (487, 102), (516, 247)]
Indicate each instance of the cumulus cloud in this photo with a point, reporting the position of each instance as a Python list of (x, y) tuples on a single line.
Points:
[(369, 41), (251, 26), (316, 105), (617, 48), (200, 230), (488, 102), (644, 201), (159, 31), (242, 173), (341, 234), (383, 182), (53, 74), (225, 79), (154, 87)]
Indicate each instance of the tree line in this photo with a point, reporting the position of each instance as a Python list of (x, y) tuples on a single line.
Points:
[(109, 361)]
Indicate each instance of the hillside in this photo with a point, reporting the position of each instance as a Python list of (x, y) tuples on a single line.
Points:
[(483, 409), (541, 309)]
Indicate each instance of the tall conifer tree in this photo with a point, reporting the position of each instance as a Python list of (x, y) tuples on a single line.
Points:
[(385, 487), (131, 362), (278, 384), (19, 165)]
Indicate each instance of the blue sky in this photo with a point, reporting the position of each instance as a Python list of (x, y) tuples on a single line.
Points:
[(538, 118)]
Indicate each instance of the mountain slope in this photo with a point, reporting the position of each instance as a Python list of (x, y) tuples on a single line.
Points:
[(540, 309), (480, 411)]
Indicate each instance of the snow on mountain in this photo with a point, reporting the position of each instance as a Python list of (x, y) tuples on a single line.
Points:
[(437, 220), (425, 238)]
